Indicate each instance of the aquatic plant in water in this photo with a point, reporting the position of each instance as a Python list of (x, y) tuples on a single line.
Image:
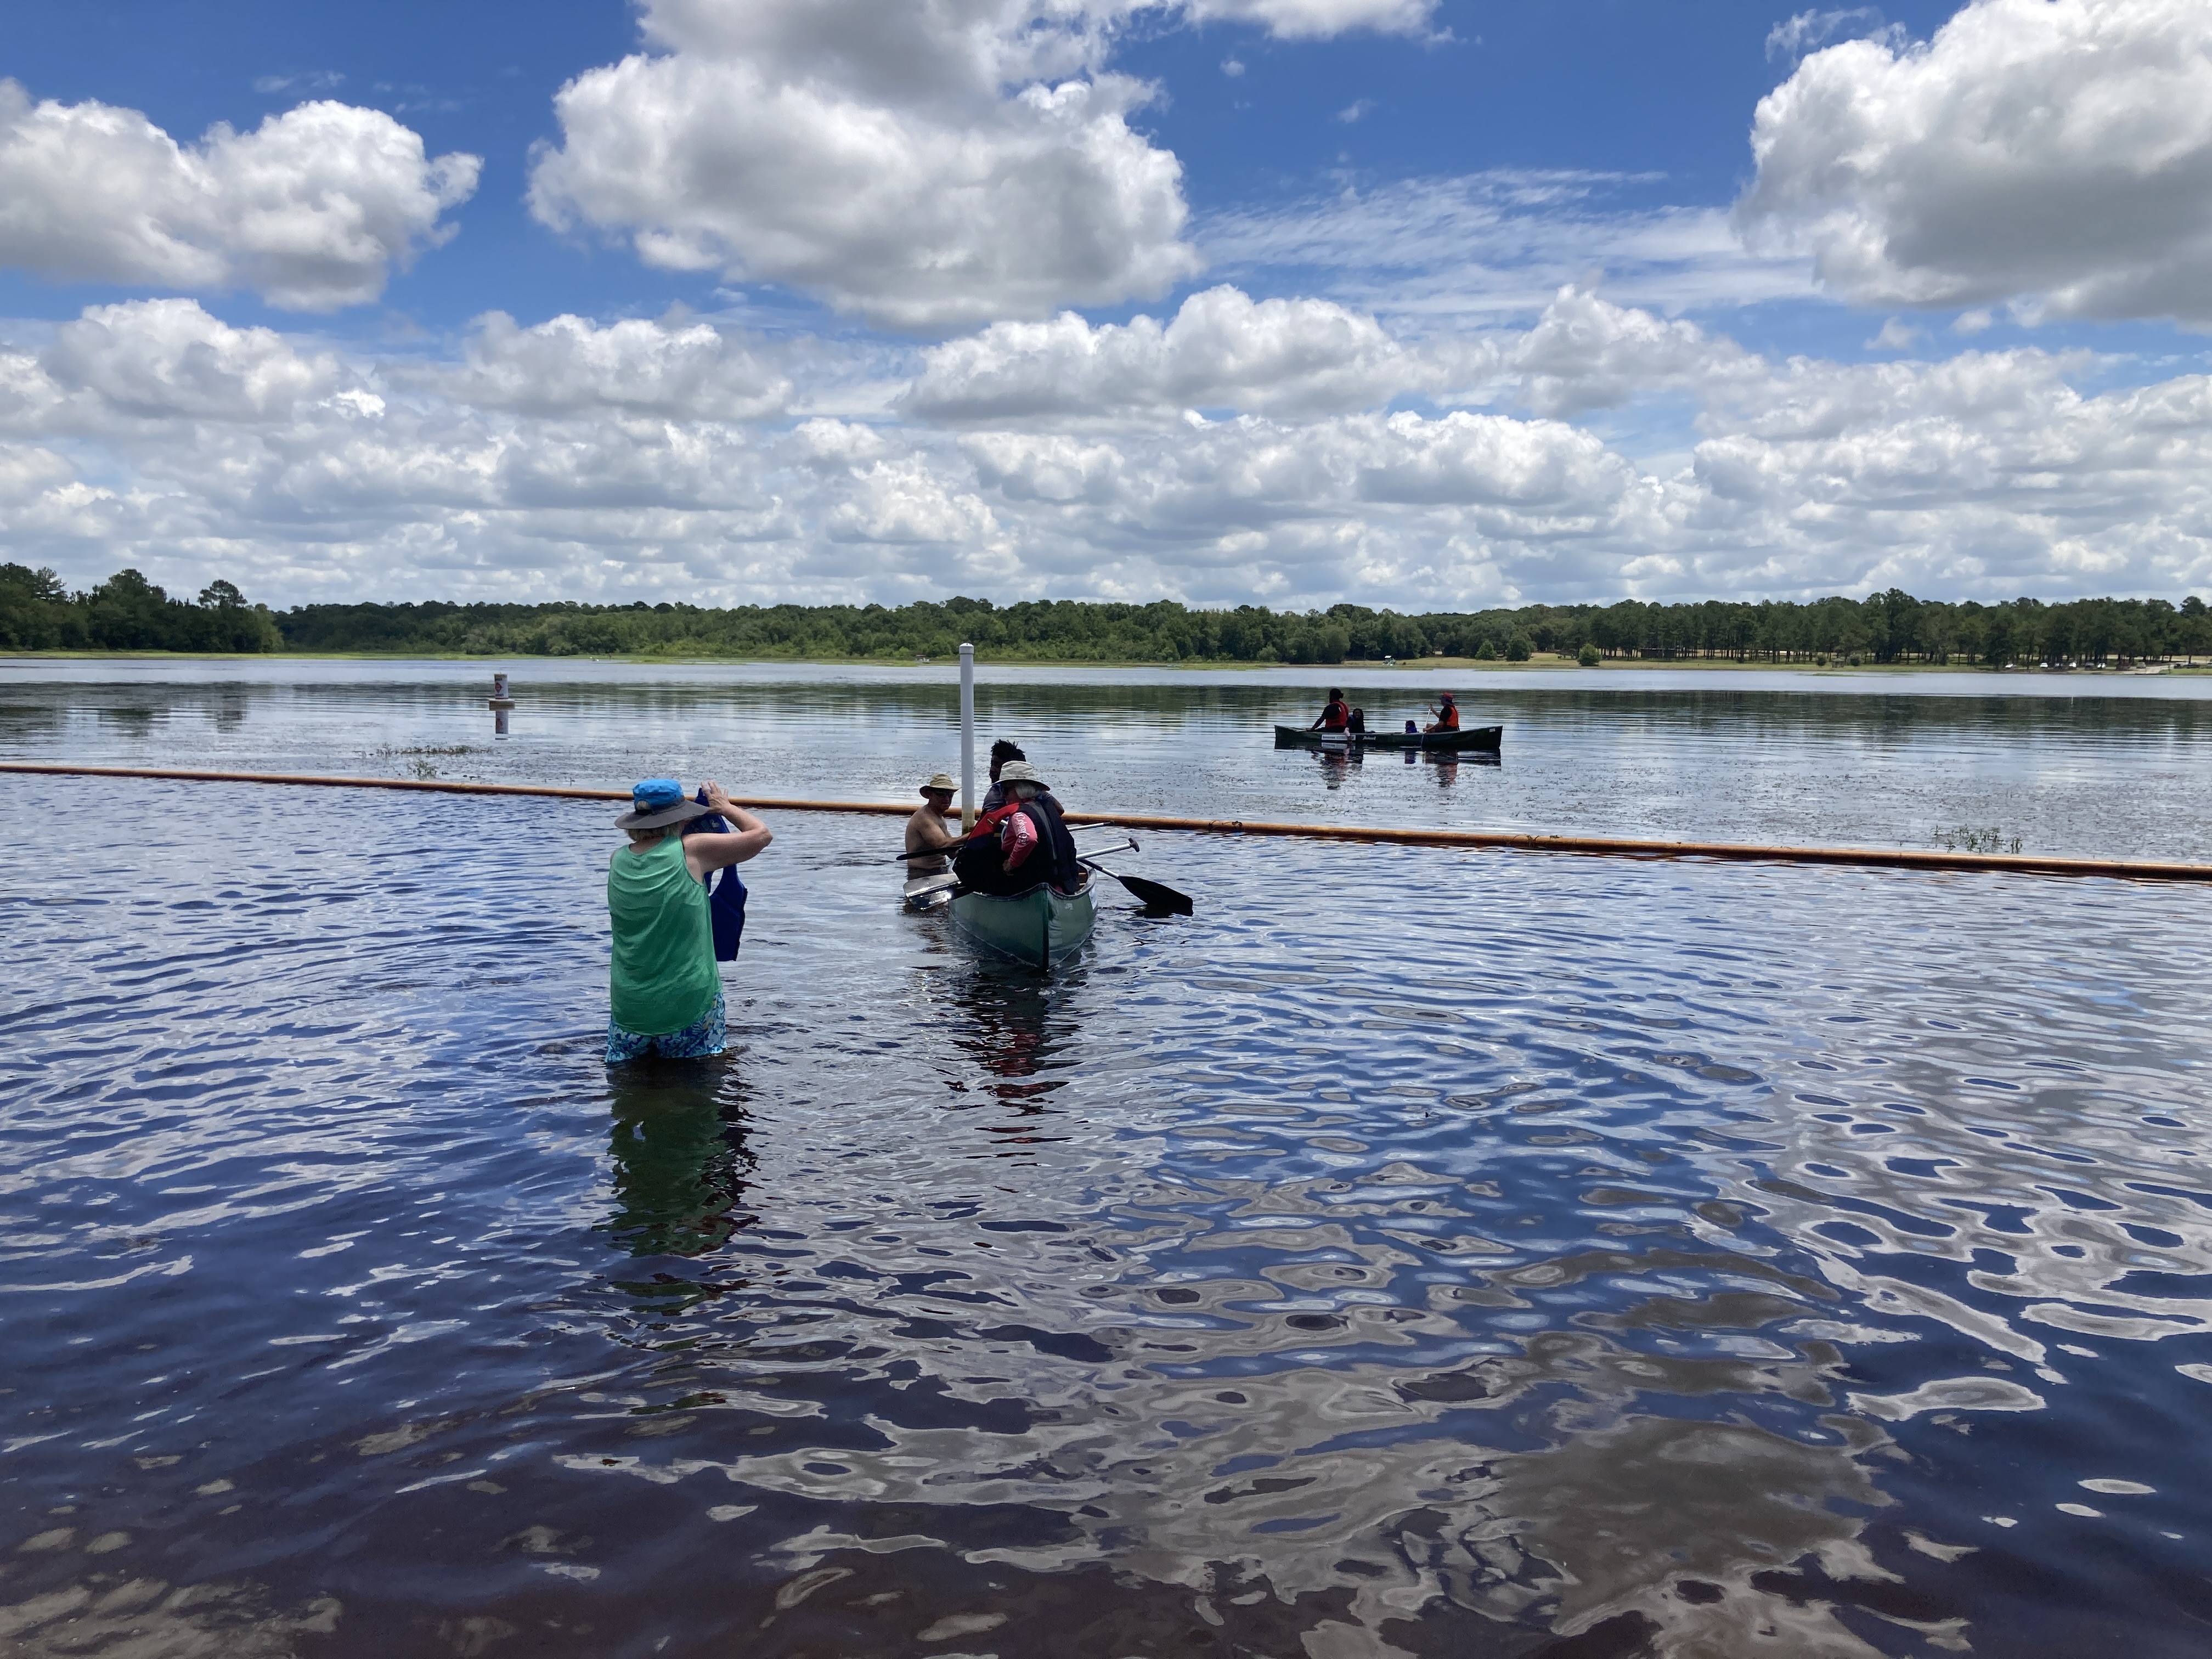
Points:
[(1967, 838)]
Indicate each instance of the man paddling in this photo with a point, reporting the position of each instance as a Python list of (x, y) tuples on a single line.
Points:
[(1447, 716), (925, 830), (1335, 715)]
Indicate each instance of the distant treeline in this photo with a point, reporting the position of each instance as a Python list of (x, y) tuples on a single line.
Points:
[(126, 613)]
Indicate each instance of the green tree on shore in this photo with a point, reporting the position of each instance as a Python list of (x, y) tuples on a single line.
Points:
[(127, 612)]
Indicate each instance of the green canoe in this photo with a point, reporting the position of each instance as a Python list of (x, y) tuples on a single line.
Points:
[(1038, 927), (1479, 739)]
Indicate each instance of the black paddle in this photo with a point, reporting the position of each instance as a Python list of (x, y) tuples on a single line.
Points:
[(1150, 894), (1153, 895)]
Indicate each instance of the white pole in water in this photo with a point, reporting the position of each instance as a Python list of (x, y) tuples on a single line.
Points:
[(967, 737)]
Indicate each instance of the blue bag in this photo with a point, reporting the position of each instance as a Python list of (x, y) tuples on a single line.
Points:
[(725, 902)]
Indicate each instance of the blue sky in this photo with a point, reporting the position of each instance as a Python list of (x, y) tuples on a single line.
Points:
[(1417, 304), (1660, 94)]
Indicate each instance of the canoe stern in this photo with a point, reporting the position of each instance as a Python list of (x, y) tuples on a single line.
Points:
[(1039, 928)]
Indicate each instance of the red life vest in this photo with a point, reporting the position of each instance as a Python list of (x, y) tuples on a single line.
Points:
[(1335, 716)]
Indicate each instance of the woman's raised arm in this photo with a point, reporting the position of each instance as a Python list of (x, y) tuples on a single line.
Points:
[(708, 853)]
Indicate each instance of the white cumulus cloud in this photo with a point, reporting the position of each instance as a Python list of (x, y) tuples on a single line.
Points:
[(1586, 353), (156, 359), (1225, 351), (312, 210), (576, 458), (2054, 153), (1221, 349), (920, 164), (569, 365)]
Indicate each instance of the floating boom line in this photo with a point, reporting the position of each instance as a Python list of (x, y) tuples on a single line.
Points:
[(1598, 846)]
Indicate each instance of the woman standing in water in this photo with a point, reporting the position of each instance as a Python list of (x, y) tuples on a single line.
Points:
[(665, 991)]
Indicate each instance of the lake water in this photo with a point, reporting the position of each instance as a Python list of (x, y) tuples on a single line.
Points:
[(1412, 1252), (2101, 765)]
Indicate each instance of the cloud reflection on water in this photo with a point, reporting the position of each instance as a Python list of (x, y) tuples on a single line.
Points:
[(1408, 1253)]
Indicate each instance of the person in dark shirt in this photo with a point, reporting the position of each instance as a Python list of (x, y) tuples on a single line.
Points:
[(1447, 716), (1001, 752), (1358, 727), (1335, 715)]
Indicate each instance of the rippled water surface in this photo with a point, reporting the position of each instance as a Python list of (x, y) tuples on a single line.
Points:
[(2104, 765), (1410, 1253)]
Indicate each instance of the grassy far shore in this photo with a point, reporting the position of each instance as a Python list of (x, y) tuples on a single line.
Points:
[(1541, 660)]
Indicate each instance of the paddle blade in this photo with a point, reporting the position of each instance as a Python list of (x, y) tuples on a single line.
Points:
[(927, 892), (1153, 896)]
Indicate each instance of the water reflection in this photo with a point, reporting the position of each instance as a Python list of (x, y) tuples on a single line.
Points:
[(1337, 765), (1015, 1027), (677, 1145), (1412, 1253), (132, 723), (2081, 770)]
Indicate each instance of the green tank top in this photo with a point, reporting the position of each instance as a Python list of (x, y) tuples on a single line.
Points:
[(664, 974)]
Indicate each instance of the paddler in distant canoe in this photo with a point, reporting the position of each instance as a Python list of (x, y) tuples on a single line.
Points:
[(926, 831), (1335, 714), (1447, 716), (664, 991)]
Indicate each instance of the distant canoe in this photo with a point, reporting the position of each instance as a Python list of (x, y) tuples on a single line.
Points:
[(1038, 927), (1483, 739)]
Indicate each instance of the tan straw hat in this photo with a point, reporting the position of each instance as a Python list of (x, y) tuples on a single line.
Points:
[(941, 781), (1023, 772)]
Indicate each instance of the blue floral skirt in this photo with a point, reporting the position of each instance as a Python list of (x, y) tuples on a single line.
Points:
[(703, 1035)]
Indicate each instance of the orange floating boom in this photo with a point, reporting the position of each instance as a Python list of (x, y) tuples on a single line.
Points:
[(1875, 857)]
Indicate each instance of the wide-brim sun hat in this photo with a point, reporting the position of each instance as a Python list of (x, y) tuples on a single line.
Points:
[(1022, 772), (941, 781), (659, 801)]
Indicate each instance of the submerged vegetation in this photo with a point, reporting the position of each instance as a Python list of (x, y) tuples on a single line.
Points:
[(127, 612), (1974, 838)]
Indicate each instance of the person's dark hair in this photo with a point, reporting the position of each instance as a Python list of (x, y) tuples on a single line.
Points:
[(1003, 751), (1334, 692)]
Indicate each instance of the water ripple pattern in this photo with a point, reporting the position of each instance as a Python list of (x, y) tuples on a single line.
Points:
[(2094, 766), (1412, 1253)]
